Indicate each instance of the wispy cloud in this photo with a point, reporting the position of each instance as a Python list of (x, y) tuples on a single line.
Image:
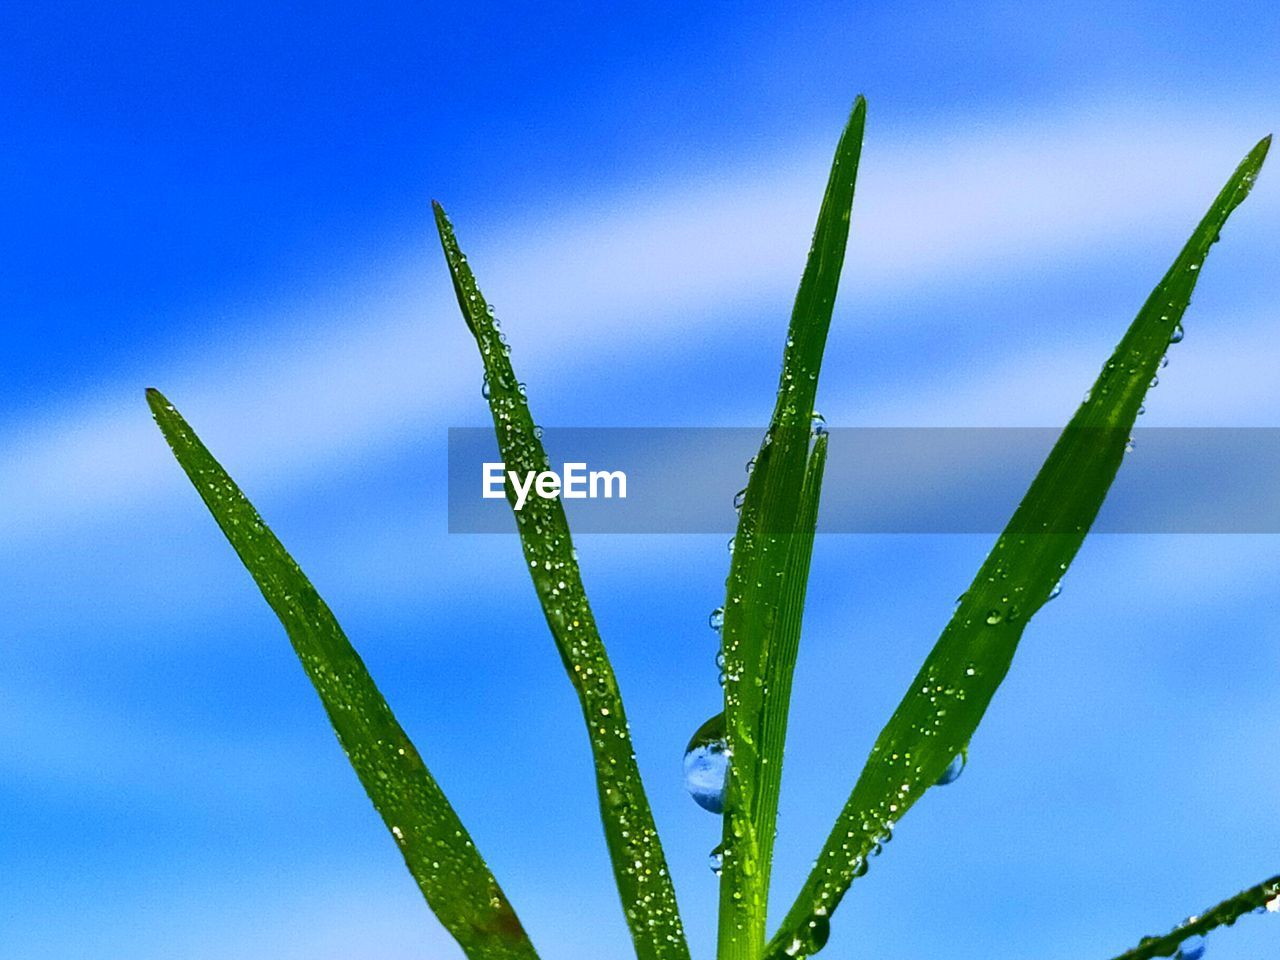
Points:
[(610, 276)]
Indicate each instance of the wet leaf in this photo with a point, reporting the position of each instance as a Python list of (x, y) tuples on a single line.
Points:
[(946, 701), (773, 530), (436, 847), (639, 865)]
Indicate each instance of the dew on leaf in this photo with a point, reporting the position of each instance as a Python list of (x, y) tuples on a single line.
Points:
[(706, 765), (1192, 949), (953, 771)]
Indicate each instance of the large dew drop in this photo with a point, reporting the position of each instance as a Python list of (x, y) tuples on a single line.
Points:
[(953, 771), (1192, 949), (811, 937), (706, 765), (715, 860)]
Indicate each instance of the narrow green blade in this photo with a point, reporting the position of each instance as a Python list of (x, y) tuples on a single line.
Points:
[(760, 575), (947, 699), (1264, 897), (436, 847), (779, 669), (639, 865)]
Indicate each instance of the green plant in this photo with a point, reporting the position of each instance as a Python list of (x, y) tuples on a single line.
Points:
[(765, 594)]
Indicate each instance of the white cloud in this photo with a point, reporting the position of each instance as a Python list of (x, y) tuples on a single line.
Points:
[(610, 276)]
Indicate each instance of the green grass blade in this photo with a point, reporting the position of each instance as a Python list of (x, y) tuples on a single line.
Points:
[(639, 865), (781, 665), (436, 847), (1262, 897), (759, 577), (949, 696)]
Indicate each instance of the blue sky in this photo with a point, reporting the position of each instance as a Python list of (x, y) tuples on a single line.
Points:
[(231, 203)]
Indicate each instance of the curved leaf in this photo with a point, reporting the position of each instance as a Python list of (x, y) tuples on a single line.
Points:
[(947, 699), (761, 575), (1263, 897), (436, 847), (639, 865)]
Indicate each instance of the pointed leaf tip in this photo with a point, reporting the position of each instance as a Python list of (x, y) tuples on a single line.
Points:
[(977, 646), (435, 845), (640, 867)]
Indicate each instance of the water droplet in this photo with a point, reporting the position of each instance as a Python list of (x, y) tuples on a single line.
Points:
[(751, 465), (1129, 445), (1142, 408), (815, 934), (1057, 589), (731, 543), (715, 619), (706, 765), (960, 600), (1164, 361), (1177, 335), (954, 769), (739, 498), (1155, 381), (537, 432), (1088, 395), (484, 388), (994, 617), (716, 860), (1192, 949), (817, 424)]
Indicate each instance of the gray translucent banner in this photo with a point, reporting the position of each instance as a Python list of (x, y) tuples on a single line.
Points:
[(886, 480)]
